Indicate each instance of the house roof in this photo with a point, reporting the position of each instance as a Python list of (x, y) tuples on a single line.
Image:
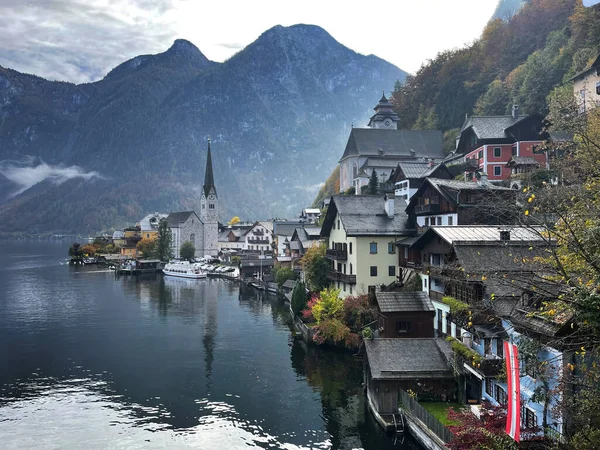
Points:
[(389, 163), (398, 143), (364, 215), (522, 161), (486, 233), (404, 301), (285, 228), (312, 210), (289, 284), (406, 358), (500, 258), (490, 127), (147, 224), (413, 169), (174, 219)]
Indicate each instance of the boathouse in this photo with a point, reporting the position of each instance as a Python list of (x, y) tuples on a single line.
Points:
[(422, 366)]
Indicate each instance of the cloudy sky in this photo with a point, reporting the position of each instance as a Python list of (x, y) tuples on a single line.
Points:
[(81, 40)]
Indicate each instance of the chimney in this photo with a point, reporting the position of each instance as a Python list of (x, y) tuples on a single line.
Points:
[(389, 205), (515, 112), (483, 179), (431, 162)]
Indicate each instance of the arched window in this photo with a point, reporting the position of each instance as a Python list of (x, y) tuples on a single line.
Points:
[(193, 238)]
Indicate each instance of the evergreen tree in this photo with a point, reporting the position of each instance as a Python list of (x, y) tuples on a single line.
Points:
[(299, 299), (187, 251), (373, 184), (163, 241)]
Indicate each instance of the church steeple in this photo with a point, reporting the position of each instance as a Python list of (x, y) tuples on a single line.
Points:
[(209, 181), (385, 116)]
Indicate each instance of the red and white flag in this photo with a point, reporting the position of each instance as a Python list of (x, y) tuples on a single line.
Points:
[(513, 418)]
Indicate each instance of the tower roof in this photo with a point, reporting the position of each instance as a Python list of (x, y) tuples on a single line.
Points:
[(383, 110), (209, 181)]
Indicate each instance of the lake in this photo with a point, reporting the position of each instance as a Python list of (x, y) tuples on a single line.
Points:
[(91, 361)]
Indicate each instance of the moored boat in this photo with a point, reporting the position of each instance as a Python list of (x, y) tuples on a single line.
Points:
[(184, 270)]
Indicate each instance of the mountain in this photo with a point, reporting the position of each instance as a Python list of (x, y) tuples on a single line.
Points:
[(90, 157), (507, 8)]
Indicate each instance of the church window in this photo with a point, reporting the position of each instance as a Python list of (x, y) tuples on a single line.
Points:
[(193, 238), (211, 206)]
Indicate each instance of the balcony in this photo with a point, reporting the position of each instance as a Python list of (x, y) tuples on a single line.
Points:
[(431, 208), (258, 232), (340, 255), (411, 264), (258, 241), (490, 366), (338, 276)]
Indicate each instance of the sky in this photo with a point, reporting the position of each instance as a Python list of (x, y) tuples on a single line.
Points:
[(82, 40)]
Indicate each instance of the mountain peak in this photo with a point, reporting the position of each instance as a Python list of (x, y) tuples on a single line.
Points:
[(184, 47)]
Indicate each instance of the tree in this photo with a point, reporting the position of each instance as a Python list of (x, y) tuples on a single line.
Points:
[(495, 100), (234, 220), (147, 246), (373, 185), (282, 274), (89, 250), (315, 266), (299, 299), (329, 306), (163, 241), (75, 250), (187, 251)]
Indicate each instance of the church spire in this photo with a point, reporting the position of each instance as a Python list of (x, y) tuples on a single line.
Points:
[(209, 181)]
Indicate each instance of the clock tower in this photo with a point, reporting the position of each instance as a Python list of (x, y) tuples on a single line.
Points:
[(209, 211), (385, 117)]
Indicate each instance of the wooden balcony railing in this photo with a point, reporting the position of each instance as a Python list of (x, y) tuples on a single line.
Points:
[(338, 276), (340, 255), (432, 208)]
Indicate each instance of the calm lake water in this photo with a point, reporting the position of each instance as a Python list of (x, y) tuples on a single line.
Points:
[(88, 361)]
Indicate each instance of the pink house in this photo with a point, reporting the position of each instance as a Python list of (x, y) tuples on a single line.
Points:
[(493, 141)]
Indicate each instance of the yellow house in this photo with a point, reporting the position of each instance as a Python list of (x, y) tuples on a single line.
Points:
[(361, 231), (149, 225), (586, 86)]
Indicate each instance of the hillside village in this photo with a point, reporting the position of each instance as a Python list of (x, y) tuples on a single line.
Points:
[(447, 251)]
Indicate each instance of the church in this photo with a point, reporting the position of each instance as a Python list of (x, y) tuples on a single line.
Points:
[(381, 146), (202, 230)]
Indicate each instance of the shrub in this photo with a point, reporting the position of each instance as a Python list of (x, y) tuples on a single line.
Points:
[(298, 302), (328, 306), (307, 314), (333, 330), (358, 312)]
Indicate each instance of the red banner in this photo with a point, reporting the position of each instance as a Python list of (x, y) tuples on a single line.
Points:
[(513, 418)]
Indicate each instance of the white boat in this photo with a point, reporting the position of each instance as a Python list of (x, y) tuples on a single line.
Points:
[(184, 270)]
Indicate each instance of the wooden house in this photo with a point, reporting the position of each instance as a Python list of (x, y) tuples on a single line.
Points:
[(405, 315)]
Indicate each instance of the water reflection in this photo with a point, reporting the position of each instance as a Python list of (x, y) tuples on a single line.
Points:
[(95, 361)]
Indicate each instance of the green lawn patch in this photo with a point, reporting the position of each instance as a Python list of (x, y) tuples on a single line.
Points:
[(440, 411)]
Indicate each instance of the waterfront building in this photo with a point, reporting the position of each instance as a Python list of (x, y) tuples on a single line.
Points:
[(361, 232), (404, 314), (381, 146), (149, 225), (209, 211), (259, 238), (186, 226)]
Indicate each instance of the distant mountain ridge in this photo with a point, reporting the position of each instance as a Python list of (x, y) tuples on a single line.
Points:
[(278, 113)]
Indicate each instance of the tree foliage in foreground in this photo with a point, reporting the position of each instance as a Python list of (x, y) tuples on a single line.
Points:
[(163, 241), (187, 251), (315, 266)]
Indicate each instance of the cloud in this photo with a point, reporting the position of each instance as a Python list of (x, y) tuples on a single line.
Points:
[(233, 45), (25, 174), (81, 40)]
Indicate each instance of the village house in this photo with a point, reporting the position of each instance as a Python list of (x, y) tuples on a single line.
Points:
[(586, 86), (408, 176), (128, 244), (404, 314), (259, 238), (149, 225), (303, 238), (361, 232), (381, 146), (491, 141), (495, 270), (310, 215), (283, 231)]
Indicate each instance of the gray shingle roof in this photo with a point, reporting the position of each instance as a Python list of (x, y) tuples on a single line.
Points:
[(174, 219), (285, 228), (490, 127), (486, 233), (413, 169), (390, 163), (404, 301), (289, 284), (364, 215), (499, 258), (378, 142), (407, 358)]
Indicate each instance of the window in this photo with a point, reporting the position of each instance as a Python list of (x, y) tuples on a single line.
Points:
[(350, 289), (436, 259), (373, 248), (426, 221), (450, 220), (350, 247), (148, 235), (351, 269), (392, 271), (528, 417), (373, 271), (500, 348), (480, 154), (489, 387), (500, 395), (344, 286), (193, 238), (211, 206), (339, 228), (425, 283), (497, 152), (391, 248), (371, 289), (497, 171), (439, 220), (402, 326), (514, 151)]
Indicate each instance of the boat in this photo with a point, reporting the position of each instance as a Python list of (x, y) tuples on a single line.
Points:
[(184, 269)]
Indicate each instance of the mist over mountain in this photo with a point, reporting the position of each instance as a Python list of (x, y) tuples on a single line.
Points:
[(104, 154)]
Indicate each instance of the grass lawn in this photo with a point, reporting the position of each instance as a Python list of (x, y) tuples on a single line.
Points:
[(439, 411)]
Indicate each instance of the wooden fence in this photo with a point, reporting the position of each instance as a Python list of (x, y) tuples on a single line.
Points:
[(412, 407)]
